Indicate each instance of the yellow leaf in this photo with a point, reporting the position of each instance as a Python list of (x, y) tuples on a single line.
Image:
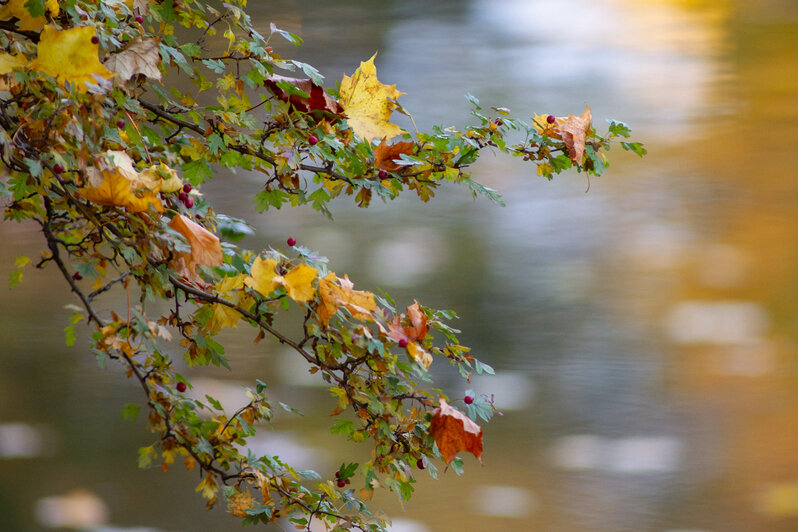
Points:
[(17, 9), (117, 183), (140, 56), (262, 277), (208, 487), (166, 178), (223, 316), (418, 354), (367, 103), (299, 283), (70, 56), (231, 283), (333, 295), (572, 130), (9, 62)]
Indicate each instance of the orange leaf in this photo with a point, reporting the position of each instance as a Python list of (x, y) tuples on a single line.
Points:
[(385, 154), (205, 247), (418, 322), (454, 432), (335, 292)]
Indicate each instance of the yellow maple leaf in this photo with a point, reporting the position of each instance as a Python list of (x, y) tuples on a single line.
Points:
[(222, 316), (368, 103), (298, 283), (70, 56), (328, 305), (17, 9), (262, 277)]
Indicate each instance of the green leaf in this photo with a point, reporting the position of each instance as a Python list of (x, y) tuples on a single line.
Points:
[(130, 411), (296, 40), (636, 147), (36, 8), (196, 172)]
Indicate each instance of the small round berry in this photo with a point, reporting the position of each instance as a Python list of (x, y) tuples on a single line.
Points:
[(291, 241), (337, 474), (550, 119), (95, 39), (181, 387), (500, 122), (341, 483), (468, 399), (77, 276), (169, 294), (420, 463), (383, 174), (312, 140), (188, 203), (187, 188), (403, 342), (139, 19), (120, 123), (57, 168), (182, 197)]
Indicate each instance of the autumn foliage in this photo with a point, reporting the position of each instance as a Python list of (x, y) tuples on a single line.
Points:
[(108, 155)]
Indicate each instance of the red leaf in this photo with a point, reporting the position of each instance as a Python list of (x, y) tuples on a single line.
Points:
[(454, 432), (318, 101)]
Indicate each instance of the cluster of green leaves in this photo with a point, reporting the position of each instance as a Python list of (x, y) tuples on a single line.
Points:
[(107, 158)]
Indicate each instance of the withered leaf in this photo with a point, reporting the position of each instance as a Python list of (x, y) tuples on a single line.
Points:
[(385, 154), (318, 99), (454, 432), (206, 250), (140, 56), (573, 131)]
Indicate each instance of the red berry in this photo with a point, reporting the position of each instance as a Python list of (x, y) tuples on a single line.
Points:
[(403, 342), (95, 39), (187, 188), (420, 463), (291, 241), (77, 276), (181, 387), (468, 399), (500, 122), (57, 168), (312, 140), (120, 124), (383, 174), (341, 483), (550, 119), (182, 197), (337, 474), (188, 203), (169, 294), (139, 19)]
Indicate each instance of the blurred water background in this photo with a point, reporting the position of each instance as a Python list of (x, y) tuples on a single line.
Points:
[(644, 334)]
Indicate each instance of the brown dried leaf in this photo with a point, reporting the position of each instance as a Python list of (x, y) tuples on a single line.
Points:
[(140, 56), (454, 432), (573, 131), (418, 322)]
